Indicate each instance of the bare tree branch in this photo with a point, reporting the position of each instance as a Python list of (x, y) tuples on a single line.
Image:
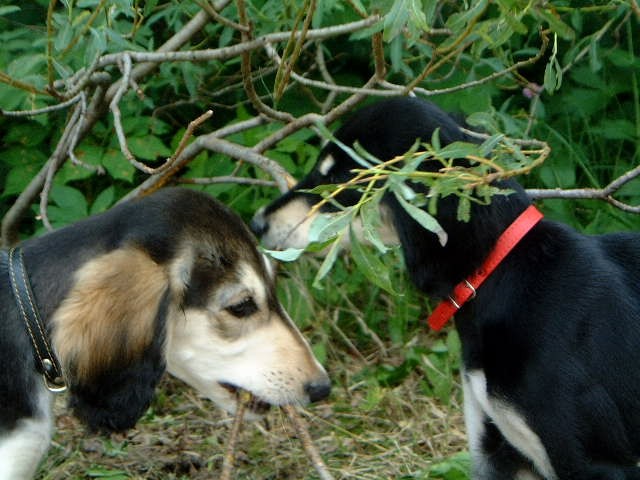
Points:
[(233, 150), (123, 86), (190, 152), (225, 53), (40, 111), (605, 193), (227, 179)]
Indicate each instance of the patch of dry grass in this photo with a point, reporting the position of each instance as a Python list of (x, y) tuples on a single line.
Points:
[(403, 434)]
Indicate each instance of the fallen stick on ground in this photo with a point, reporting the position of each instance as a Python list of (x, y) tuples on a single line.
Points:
[(244, 398), (228, 460), (303, 434)]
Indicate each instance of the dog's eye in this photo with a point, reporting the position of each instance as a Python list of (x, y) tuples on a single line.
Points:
[(244, 308)]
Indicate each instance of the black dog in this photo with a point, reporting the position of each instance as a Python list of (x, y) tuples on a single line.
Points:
[(174, 281), (551, 341)]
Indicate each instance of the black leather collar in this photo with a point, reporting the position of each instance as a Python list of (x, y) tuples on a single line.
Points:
[(46, 361)]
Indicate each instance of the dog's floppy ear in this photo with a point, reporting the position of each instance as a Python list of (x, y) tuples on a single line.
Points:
[(109, 335)]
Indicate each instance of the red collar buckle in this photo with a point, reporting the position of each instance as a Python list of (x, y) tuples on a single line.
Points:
[(466, 289)]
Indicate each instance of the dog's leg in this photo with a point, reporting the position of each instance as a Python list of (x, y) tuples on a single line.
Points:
[(22, 448), (493, 456), (475, 422)]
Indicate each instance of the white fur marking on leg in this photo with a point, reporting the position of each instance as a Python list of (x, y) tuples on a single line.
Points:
[(22, 449), (512, 425), (474, 418)]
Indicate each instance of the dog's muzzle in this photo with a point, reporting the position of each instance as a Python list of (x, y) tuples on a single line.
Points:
[(259, 224)]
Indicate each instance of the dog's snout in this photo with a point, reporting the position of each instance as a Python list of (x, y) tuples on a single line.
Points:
[(259, 224), (318, 389)]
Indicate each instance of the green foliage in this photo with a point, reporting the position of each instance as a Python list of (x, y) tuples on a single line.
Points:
[(591, 69)]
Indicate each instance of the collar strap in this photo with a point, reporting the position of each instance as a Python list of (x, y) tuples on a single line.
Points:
[(46, 362), (466, 289)]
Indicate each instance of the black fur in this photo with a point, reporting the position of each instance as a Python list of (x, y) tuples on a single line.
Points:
[(555, 329)]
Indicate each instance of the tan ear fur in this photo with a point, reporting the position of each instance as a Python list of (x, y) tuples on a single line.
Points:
[(107, 318)]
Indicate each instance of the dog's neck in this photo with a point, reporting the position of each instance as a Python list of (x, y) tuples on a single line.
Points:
[(466, 289), (46, 362)]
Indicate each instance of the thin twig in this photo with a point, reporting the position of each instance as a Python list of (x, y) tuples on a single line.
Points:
[(285, 69), (9, 80), (313, 118), (392, 89), (324, 71), (245, 67), (303, 434), (377, 45), (193, 124), (169, 167), (117, 118), (228, 460), (213, 13), (331, 87), (227, 179), (50, 10), (73, 141), (85, 28), (40, 111), (91, 78)]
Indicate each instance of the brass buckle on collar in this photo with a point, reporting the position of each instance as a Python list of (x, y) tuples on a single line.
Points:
[(55, 385), (473, 294)]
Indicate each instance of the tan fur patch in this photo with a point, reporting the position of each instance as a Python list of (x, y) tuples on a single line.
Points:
[(108, 316)]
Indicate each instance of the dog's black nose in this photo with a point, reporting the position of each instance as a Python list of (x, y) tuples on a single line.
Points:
[(259, 224), (318, 389)]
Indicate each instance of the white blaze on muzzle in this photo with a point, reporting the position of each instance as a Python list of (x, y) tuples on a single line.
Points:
[(286, 227)]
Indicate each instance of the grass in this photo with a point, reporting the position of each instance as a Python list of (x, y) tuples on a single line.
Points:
[(395, 410)]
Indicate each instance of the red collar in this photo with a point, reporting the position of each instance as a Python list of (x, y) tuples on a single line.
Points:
[(466, 289)]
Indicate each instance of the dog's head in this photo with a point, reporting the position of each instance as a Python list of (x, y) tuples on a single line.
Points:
[(385, 130), (182, 285), (388, 129)]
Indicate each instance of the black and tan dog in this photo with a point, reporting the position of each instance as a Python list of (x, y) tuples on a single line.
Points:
[(551, 341), (170, 281)]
